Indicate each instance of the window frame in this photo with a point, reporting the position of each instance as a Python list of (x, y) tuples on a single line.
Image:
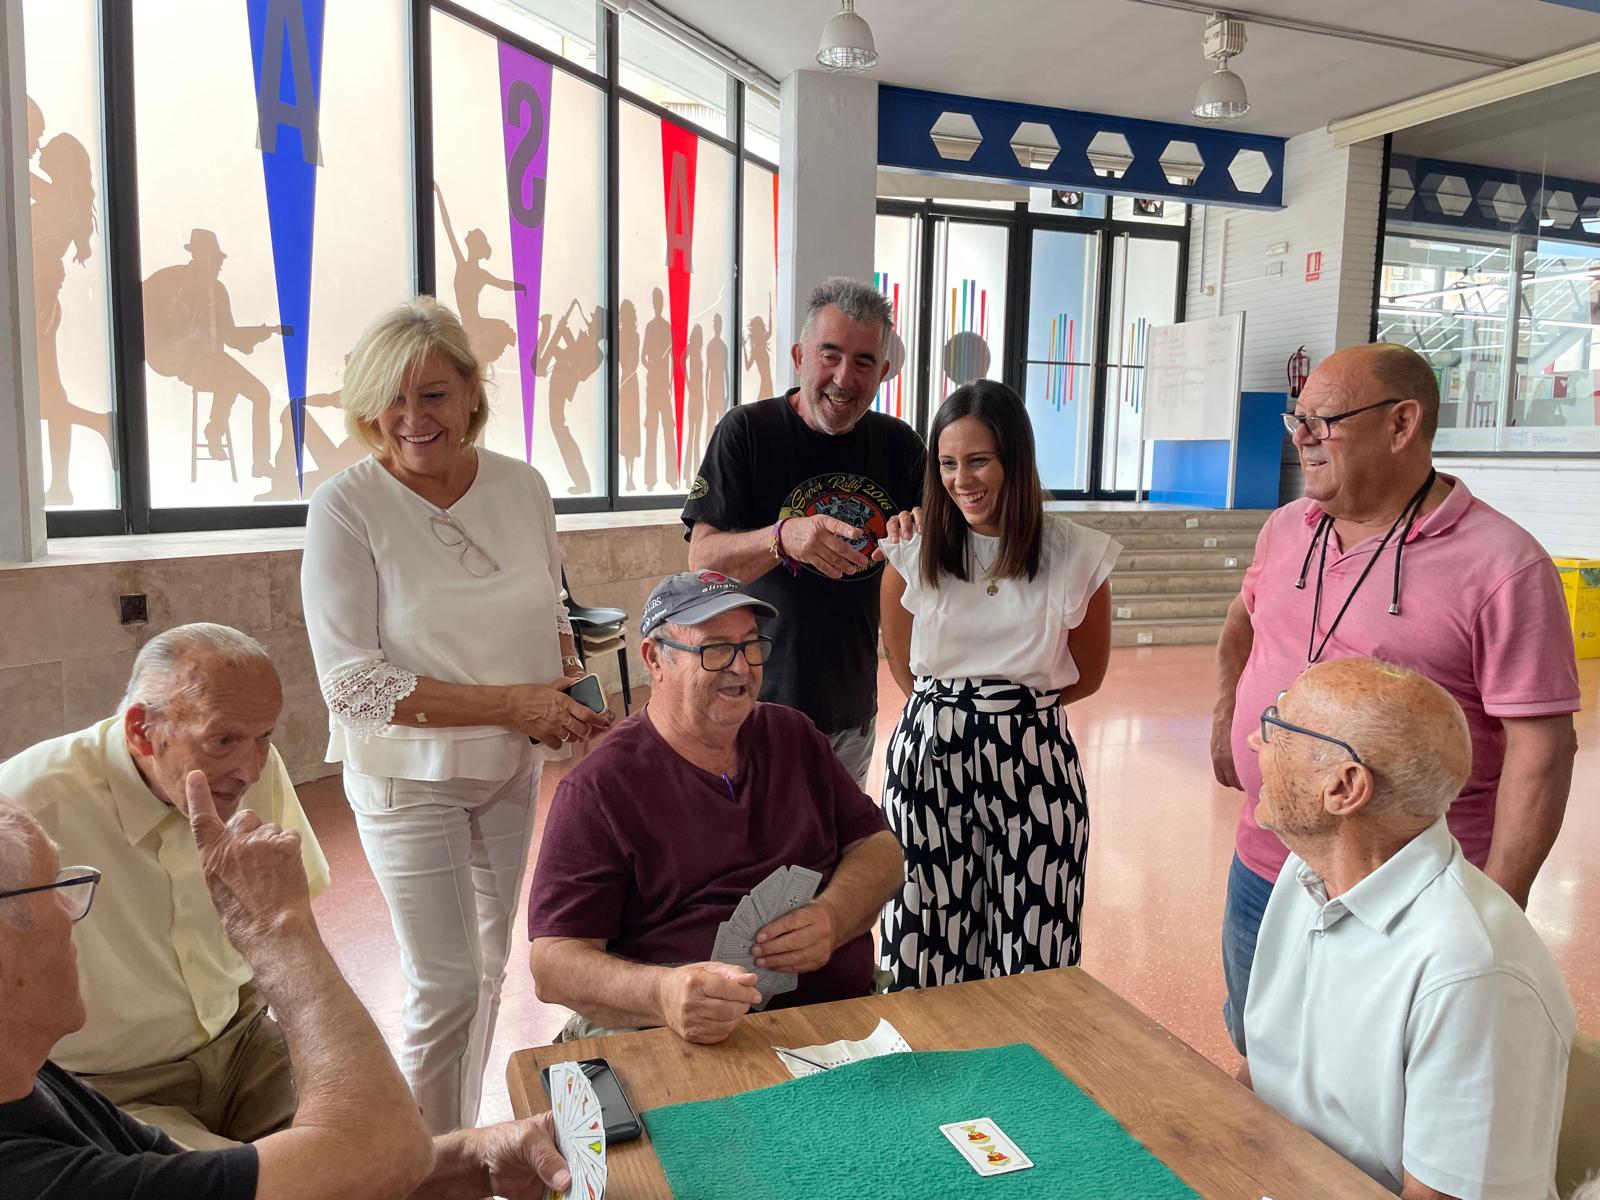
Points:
[(1022, 224), (134, 513)]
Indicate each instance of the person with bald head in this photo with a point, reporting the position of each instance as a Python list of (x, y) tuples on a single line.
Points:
[(1385, 557), (1402, 1007), (176, 1031)]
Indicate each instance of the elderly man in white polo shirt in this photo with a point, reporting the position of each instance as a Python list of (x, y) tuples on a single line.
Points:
[(176, 1034), (1401, 1006)]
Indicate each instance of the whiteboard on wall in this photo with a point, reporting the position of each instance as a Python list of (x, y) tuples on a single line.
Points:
[(1192, 380)]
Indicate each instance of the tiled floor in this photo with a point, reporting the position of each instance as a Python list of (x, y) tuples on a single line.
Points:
[(1162, 837)]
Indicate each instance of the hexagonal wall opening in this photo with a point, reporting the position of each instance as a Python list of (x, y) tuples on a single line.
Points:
[(1401, 187), (1181, 163), (1035, 145), (1560, 210), (1110, 155), (1502, 202), (1250, 171), (1447, 194), (955, 136)]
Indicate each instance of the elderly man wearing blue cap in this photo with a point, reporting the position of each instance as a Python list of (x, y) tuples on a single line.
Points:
[(688, 805)]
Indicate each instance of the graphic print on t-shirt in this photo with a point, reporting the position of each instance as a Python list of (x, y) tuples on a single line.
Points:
[(853, 499)]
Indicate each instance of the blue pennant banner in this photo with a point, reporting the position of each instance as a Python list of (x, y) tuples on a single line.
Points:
[(286, 50)]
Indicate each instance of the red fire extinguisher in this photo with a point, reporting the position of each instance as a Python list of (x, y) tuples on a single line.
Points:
[(1299, 368)]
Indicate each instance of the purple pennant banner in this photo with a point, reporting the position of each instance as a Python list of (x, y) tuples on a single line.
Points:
[(525, 112)]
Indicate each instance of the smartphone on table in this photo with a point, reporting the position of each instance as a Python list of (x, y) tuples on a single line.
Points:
[(621, 1124)]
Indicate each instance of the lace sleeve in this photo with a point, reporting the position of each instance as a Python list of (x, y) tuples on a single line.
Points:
[(563, 620), (362, 696)]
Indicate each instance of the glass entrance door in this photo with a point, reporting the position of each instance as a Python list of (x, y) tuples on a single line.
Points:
[(1059, 368), (1143, 295), (968, 306)]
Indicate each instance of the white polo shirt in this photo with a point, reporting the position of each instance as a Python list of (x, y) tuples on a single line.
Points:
[(1415, 1023)]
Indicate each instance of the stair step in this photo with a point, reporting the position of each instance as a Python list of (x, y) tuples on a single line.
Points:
[(1155, 583), (1197, 632), (1170, 607), (1183, 560), (1162, 518), (1185, 539)]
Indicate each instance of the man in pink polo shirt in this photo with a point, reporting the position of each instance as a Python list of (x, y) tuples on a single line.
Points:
[(1385, 558)]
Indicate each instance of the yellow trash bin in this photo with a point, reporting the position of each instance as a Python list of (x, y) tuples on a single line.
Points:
[(1580, 578)]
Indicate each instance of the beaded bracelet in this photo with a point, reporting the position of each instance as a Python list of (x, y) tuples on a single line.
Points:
[(775, 544)]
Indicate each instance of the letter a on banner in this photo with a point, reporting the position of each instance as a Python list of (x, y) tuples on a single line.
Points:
[(679, 149), (525, 116), (286, 51)]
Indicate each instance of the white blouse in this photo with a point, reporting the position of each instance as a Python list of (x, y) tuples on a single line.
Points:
[(386, 600), (1020, 633)]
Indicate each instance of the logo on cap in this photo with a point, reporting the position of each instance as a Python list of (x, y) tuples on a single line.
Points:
[(711, 577)]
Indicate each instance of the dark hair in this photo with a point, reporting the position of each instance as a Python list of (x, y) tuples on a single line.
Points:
[(944, 529)]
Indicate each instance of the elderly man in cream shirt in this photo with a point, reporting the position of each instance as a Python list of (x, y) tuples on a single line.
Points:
[(1402, 1008), (176, 1033)]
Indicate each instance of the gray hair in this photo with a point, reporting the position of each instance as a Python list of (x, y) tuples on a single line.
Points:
[(1589, 1189), (860, 302), (19, 835), (157, 679)]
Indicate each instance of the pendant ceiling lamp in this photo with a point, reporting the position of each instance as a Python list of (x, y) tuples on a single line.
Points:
[(1222, 96), (847, 42)]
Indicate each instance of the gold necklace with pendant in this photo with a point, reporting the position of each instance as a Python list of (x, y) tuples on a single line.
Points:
[(994, 584)]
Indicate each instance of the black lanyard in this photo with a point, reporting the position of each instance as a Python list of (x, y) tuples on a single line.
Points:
[(1324, 534)]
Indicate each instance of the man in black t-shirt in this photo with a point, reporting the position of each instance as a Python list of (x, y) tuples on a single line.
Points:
[(792, 497), (357, 1131)]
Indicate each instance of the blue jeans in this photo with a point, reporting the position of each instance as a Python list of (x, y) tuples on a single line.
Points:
[(1248, 894)]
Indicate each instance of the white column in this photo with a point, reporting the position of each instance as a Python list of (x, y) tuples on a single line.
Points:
[(827, 189), (21, 466)]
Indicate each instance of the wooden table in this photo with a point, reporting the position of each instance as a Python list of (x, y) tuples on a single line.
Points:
[(1220, 1139)]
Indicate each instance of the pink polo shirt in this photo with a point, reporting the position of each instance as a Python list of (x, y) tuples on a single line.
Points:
[(1481, 614)]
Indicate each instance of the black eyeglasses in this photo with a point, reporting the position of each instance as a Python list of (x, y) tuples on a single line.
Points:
[(77, 886), (718, 656), (1319, 427), (1270, 717)]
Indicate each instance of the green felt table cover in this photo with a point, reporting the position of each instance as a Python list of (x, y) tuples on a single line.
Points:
[(872, 1129)]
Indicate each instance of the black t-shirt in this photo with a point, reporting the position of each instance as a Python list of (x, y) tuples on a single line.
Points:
[(66, 1141), (765, 462)]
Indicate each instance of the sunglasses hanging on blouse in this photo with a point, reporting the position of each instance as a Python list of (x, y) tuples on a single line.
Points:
[(1408, 516)]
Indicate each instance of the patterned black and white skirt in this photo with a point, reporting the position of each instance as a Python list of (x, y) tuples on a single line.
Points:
[(984, 790)]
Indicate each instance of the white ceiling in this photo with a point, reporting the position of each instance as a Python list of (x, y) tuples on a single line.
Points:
[(1134, 60)]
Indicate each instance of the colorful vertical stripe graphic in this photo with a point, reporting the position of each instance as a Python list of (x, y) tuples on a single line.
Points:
[(679, 153), (525, 119), (1138, 338), (967, 357), (891, 398), (1061, 375), (286, 54)]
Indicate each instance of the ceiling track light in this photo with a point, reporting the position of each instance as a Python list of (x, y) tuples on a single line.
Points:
[(1222, 97), (847, 42)]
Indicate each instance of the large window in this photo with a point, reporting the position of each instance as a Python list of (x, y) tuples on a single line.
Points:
[(519, 245), (71, 282), (273, 175), (1054, 296), (1511, 326)]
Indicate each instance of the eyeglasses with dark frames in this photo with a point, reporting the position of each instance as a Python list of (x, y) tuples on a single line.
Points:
[(718, 656), (474, 557), (1320, 427), (76, 884), (1270, 718)]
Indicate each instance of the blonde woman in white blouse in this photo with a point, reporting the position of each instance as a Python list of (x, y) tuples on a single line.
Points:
[(995, 618), (431, 587)]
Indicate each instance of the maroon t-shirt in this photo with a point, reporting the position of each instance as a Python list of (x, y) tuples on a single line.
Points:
[(644, 849)]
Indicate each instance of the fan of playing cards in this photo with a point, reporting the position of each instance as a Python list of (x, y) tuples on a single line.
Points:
[(785, 890), (580, 1132)]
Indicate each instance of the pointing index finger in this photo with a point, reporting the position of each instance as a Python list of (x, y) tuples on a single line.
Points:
[(203, 817)]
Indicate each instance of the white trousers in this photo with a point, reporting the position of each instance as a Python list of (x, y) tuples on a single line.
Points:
[(449, 857)]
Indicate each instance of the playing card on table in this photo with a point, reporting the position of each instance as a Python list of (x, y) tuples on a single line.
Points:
[(987, 1150), (580, 1132)]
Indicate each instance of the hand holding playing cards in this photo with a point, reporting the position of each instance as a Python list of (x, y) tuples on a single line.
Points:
[(702, 1002), (252, 867), (522, 1159), (800, 941)]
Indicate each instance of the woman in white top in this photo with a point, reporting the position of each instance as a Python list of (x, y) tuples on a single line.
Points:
[(995, 618), (431, 586)]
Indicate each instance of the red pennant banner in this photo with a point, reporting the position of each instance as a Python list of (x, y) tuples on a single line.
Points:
[(679, 150)]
